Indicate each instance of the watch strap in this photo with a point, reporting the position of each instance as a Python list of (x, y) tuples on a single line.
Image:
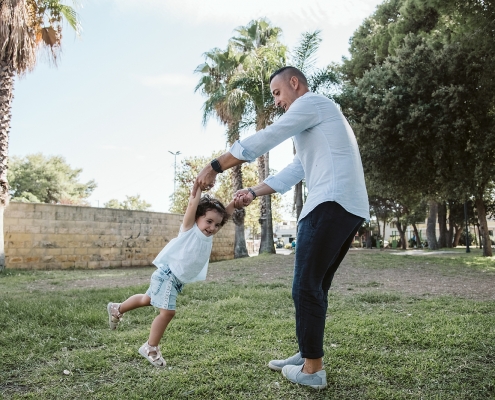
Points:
[(250, 190), (216, 166)]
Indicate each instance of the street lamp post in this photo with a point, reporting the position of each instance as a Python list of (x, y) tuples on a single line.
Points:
[(175, 166)]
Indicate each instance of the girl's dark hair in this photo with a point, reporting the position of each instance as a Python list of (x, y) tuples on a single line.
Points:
[(207, 203)]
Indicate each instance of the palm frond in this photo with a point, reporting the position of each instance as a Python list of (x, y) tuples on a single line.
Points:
[(323, 78), (70, 16), (303, 56)]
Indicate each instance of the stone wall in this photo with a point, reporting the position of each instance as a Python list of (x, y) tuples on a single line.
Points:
[(46, 236)]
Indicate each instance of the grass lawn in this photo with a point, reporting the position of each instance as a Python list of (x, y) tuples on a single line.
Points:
[(381, 342)]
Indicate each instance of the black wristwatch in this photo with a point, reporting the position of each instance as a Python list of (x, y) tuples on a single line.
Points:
[(252, 192), (216, 166)]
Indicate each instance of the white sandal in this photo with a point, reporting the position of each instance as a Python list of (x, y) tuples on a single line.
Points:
[(114, 315), (155, 359)]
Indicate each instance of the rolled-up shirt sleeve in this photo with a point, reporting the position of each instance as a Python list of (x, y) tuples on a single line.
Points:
[(300, 116), (240, 152), (288, 177)]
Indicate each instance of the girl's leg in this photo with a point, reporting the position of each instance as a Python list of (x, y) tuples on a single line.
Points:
[(116, 310), (150, 349), (159, 325), (133, 302)]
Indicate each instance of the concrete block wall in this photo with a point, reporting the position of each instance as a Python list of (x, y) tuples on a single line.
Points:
[(47, 236)]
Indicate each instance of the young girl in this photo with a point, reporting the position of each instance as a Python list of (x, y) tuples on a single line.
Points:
[(184, 259)]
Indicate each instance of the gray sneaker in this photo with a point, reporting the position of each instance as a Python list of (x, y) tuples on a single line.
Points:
[(294, 373), (277, 365)]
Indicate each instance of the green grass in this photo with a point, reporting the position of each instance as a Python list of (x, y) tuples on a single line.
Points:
[(447, 260), (378, 345)]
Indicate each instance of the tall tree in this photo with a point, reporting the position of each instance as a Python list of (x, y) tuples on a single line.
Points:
[(264, 53), (25, 27), (228, 107)]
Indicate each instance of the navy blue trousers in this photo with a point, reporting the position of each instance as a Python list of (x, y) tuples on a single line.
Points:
[(323, 239)]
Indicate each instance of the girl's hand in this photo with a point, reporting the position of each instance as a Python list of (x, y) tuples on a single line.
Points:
[(242, 198)]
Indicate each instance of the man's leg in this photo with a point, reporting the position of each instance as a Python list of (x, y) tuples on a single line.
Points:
[(324, 237), (313, 365)]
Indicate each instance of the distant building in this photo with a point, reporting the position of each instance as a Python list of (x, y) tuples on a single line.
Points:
[(285, 230)]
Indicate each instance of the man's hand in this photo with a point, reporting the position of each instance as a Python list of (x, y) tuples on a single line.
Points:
[(242, 198), (205, 180)]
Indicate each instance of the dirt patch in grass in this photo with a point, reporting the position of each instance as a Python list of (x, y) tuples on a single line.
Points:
[(361, 271)]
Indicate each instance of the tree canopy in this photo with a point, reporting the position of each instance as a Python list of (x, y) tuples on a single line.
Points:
[(130, 203), (420, 93), (47, 179)]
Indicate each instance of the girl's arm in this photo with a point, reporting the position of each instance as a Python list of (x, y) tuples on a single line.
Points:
[(230, 208), (192, 206)]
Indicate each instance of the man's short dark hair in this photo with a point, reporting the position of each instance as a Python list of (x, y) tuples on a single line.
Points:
[(290, 71), (207, 203)]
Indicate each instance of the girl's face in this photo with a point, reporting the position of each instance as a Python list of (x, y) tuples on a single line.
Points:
[(209, 223)]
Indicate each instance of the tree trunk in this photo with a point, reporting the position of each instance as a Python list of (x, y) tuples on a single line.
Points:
[(431, 235), (266, 242), (6, 96), (240, 248), (458, 230), (402, 234), (419, 245), (477, 238), (298, 194), (450, 232), (487, 244), (442, 224)]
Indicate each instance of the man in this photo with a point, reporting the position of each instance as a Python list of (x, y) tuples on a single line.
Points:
[(327, 156)]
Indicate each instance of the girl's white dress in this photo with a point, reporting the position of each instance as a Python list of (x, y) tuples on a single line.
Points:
[(187, 255)]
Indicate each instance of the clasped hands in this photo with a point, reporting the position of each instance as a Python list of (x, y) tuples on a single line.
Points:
[(242, 198)]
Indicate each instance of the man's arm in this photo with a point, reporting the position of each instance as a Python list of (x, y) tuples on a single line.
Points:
[(245, 197), (206, 178), (281, 183), (300, 116)]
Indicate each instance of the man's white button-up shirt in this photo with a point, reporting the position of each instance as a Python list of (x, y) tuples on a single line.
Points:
[(327, 155)]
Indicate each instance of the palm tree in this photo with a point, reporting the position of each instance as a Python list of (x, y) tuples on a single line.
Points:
[(228, 107), (260, 43), (320, 80), (25, 27)]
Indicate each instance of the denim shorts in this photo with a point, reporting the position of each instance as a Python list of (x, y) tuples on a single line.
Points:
[(163, 290)]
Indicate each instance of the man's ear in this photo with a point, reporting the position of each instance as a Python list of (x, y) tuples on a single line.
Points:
[(294, 82)]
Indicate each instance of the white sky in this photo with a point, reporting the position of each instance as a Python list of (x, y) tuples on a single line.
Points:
[(122, 95)]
